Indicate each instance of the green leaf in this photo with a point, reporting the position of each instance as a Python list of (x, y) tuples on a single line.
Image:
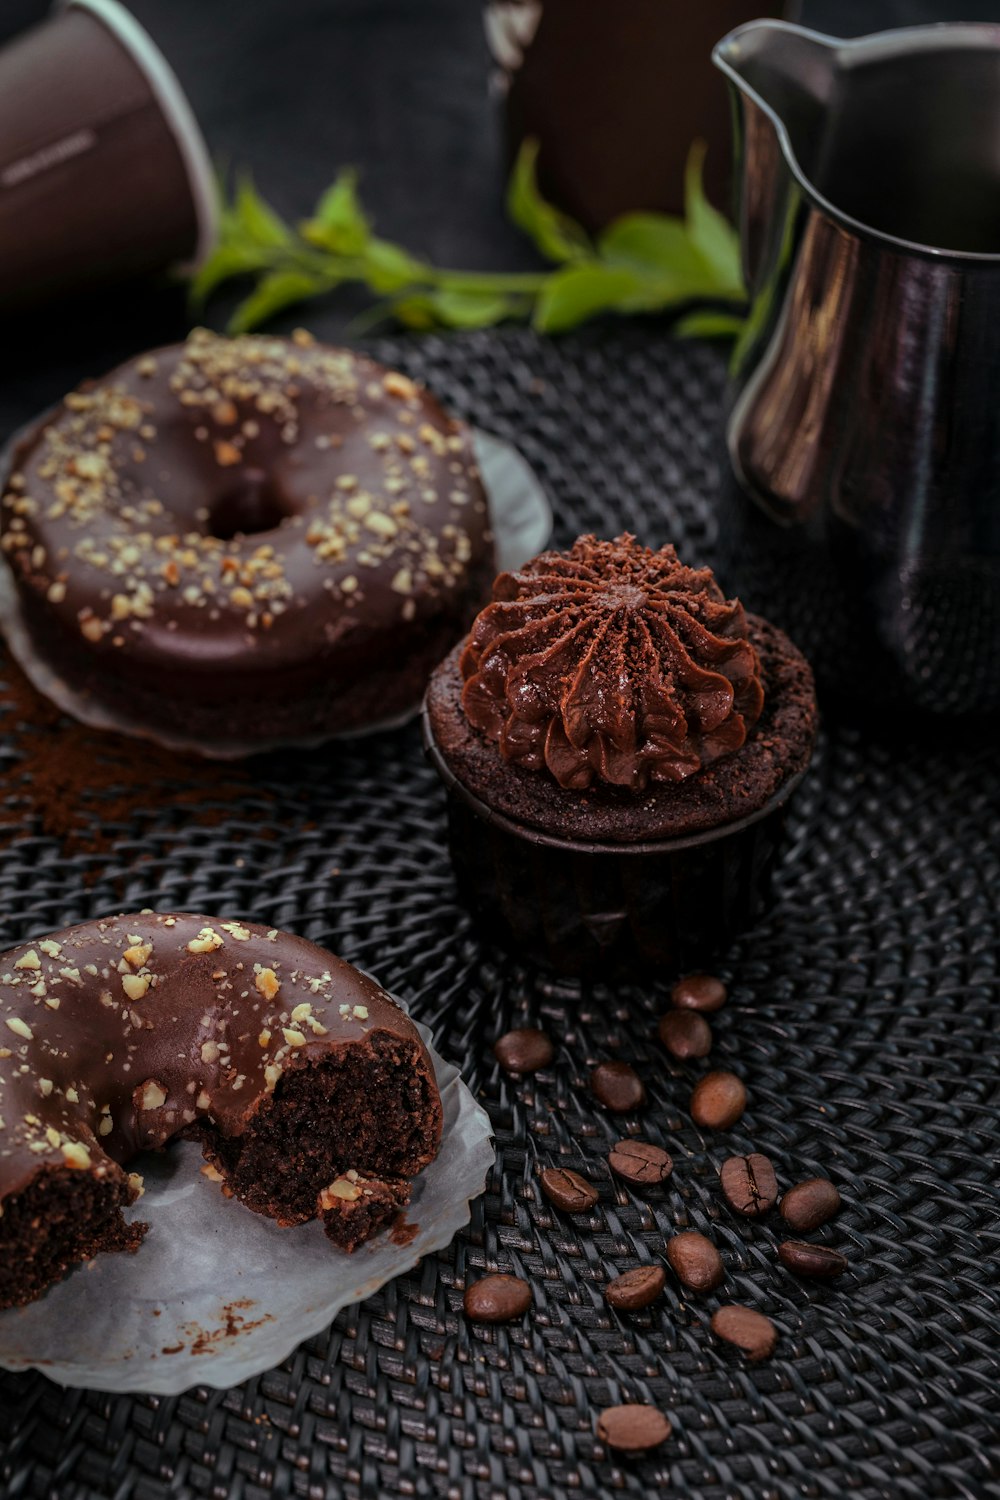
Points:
[(273, 293), (257, 219), (653, 242), (703, 323), (470, 309), (414, 312), (573, 295), (711, 231), (389, 268), (226, 261), (556, 235), (339, 223)]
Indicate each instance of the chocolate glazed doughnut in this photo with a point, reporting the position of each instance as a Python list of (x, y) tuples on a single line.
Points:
[(310, 1090), (232, 543)]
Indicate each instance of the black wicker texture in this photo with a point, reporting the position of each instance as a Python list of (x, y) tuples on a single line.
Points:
[(863, 1018)]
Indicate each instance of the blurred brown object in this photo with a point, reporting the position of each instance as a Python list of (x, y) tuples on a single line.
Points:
[(103, 171), (616, 91)]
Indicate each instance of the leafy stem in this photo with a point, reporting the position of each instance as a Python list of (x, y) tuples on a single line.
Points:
[(642, 262)]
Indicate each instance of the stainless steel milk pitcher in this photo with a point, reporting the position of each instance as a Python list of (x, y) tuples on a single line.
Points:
[(864, 430)]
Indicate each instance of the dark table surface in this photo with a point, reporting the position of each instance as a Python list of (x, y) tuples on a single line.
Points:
[(293, 90)]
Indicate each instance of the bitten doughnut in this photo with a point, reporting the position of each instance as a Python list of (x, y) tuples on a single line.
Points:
[(310, 1090), (232, 543)]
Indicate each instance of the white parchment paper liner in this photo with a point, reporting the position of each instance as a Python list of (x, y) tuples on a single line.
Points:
[(522, 524), (217, 1294)]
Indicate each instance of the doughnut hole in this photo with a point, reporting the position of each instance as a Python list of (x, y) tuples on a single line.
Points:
[(252, 505)]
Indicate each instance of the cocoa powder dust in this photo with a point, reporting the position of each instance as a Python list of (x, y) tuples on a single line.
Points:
[(87, 788)]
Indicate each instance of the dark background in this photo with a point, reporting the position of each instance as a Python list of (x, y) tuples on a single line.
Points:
[(293, 89)]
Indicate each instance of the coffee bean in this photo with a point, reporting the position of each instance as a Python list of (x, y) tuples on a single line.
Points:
[(699, 992), (640, 1163), (524, 1050), (696, 1261), (718, 1101), (809, 1204), (685, 1034), (568, 1190), (497, 1299), (635, 1289), (811, 1260), (633, 1428), (747, 1329), (749, 1184), (618, 1087)]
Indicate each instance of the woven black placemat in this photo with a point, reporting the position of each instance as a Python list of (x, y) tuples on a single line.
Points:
[(863, 1019)]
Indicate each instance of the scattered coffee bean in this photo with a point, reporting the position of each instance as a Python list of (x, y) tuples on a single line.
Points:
[(809, 1204), (524, 1050), (568, 1190), (695, 1261), (685, 1034), (497, 1299), (718, 1101), (811, 1260), (640, 1163), (633, 1428), (699, 992), (618, 1087), (747, 1329), (635, 1289), (749, 1184)]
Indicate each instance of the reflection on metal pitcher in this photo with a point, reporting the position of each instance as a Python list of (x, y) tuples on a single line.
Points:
[(865, 423)]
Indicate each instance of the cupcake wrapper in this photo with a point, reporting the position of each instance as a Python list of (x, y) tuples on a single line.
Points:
[(583, 908)]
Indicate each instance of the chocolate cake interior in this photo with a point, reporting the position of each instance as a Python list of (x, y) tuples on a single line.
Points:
[(364, 1110), (61, 1218)]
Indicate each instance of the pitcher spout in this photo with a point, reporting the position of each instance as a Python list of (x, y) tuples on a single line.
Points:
[(786, 70), (783, 79)]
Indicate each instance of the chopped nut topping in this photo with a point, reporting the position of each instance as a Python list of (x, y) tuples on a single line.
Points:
[(268, 983), (135, 1182), (76, 1155), (227, 454), (135, 985), (341, 1190), (206, 942), (45, 1087), (20, 1028), (293, 1037), (154, 1096), (138, 954), (395, 384), (212, 1173), (236, 930), (209, 1052), (29, 960)]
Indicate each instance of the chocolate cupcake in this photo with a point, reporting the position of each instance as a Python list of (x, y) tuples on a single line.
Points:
[(619, 742)]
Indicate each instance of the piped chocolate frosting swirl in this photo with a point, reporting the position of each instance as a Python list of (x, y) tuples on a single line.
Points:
[(611, 663)]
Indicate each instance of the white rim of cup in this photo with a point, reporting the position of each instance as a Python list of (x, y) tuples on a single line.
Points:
[(177, 112)]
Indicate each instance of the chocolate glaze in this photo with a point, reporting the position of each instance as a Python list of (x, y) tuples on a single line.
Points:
[(119, 1034), (250, 539), (611, 663)]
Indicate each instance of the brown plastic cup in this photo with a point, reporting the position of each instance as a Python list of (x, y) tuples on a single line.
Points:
[(104, 173), (613, 910)]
